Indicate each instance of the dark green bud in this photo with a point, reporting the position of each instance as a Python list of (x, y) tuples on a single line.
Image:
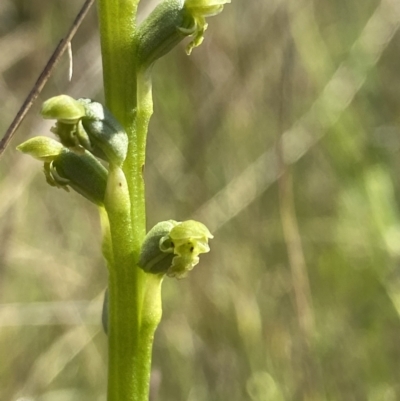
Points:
[(162, 30), (170, 22), (82, 172), (152, 259)]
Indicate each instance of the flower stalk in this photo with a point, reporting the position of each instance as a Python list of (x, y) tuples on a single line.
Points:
[(128, 368)]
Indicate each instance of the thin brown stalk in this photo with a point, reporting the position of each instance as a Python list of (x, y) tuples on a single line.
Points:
[(44, 76)]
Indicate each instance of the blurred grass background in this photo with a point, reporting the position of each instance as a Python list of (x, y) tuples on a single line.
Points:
[(281, 133)]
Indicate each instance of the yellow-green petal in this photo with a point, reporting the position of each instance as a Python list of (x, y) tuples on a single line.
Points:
[(63, 108), (41, 148), (190, 229), (199, 10), (205, 3)]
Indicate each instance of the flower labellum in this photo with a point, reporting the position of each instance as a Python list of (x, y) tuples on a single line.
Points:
[(200, 10)]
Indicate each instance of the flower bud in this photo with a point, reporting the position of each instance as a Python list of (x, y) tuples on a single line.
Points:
[(162, 30), (170, 22), (173, 248), (108, 138), (152, 259)]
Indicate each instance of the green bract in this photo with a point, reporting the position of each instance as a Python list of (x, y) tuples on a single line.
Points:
[(173, 248)]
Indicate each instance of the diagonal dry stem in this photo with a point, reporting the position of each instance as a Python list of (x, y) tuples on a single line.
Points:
[(44, 76)]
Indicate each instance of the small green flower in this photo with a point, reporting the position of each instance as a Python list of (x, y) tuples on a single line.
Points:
[(200, 10), (188, 239), (85, 124), (64, 168), (173, 247), (170, 22), (161, 31)]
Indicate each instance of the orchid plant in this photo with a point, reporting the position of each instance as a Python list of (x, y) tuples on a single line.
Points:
[(100, 153)]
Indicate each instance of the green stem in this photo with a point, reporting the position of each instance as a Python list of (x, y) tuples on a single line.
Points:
[(117, 20), (134, 297)]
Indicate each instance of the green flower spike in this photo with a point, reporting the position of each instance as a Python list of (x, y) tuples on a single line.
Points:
[(173, 248)]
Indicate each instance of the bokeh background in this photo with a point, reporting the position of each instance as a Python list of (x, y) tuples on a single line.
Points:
[(281, 133)]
